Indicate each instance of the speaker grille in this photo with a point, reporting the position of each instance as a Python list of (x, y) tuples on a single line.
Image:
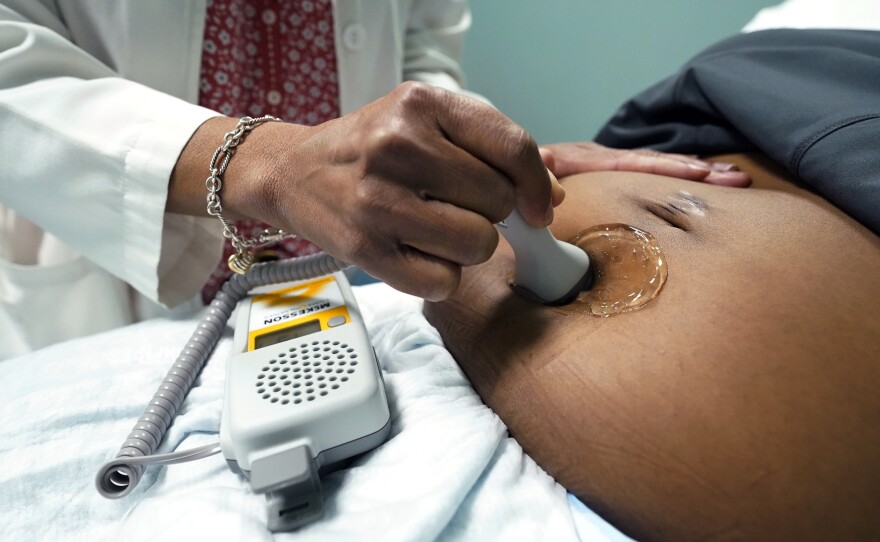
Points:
[(307, 372)]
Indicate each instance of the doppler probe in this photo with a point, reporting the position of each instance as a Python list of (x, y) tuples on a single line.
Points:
[(552, 271)]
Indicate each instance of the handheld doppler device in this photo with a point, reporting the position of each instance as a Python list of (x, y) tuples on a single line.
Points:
[(303, 393)]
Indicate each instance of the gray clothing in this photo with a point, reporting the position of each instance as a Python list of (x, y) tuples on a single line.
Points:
[(809, 99)]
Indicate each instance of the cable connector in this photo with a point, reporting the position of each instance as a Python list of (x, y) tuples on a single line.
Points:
[(290, 481)]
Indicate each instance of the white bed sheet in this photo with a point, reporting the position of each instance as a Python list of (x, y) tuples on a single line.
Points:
[(448, 472), (839, 14)]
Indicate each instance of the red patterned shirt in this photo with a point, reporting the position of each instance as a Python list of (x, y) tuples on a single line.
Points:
[(264, 57)]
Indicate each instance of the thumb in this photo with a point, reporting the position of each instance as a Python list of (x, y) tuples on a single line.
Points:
[(549, 159), (557, 192)]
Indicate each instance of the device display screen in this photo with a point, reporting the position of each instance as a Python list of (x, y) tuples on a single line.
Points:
[(285, 334)]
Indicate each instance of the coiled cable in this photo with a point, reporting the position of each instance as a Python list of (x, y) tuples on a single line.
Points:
[(118, 477)]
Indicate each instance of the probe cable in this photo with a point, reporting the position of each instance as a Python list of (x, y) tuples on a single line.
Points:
[(118, 478)]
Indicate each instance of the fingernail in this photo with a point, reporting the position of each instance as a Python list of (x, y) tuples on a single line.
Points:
[(723, 166), (698, 168), (728, 178)]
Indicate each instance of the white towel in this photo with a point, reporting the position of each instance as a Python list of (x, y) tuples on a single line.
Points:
[(449, 471)]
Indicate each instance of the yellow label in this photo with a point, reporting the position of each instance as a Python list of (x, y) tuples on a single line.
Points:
[(318, 300)]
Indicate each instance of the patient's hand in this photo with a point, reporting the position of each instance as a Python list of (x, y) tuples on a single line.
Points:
[(565, 159)]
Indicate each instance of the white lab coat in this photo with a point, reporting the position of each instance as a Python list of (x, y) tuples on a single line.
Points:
[(96, 103)]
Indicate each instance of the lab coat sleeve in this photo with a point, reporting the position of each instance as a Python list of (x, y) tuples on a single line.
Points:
[(87, 156), (433, 42)]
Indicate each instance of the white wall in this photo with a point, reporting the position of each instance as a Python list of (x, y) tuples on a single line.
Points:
[(561, 67)]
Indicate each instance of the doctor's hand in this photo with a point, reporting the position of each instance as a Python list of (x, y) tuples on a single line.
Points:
[(565, 159), (407, 187)]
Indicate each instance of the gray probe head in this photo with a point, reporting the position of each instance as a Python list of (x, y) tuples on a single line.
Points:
[(550, 270)]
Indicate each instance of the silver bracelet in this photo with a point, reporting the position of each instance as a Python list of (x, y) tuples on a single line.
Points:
[(243, 258)]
